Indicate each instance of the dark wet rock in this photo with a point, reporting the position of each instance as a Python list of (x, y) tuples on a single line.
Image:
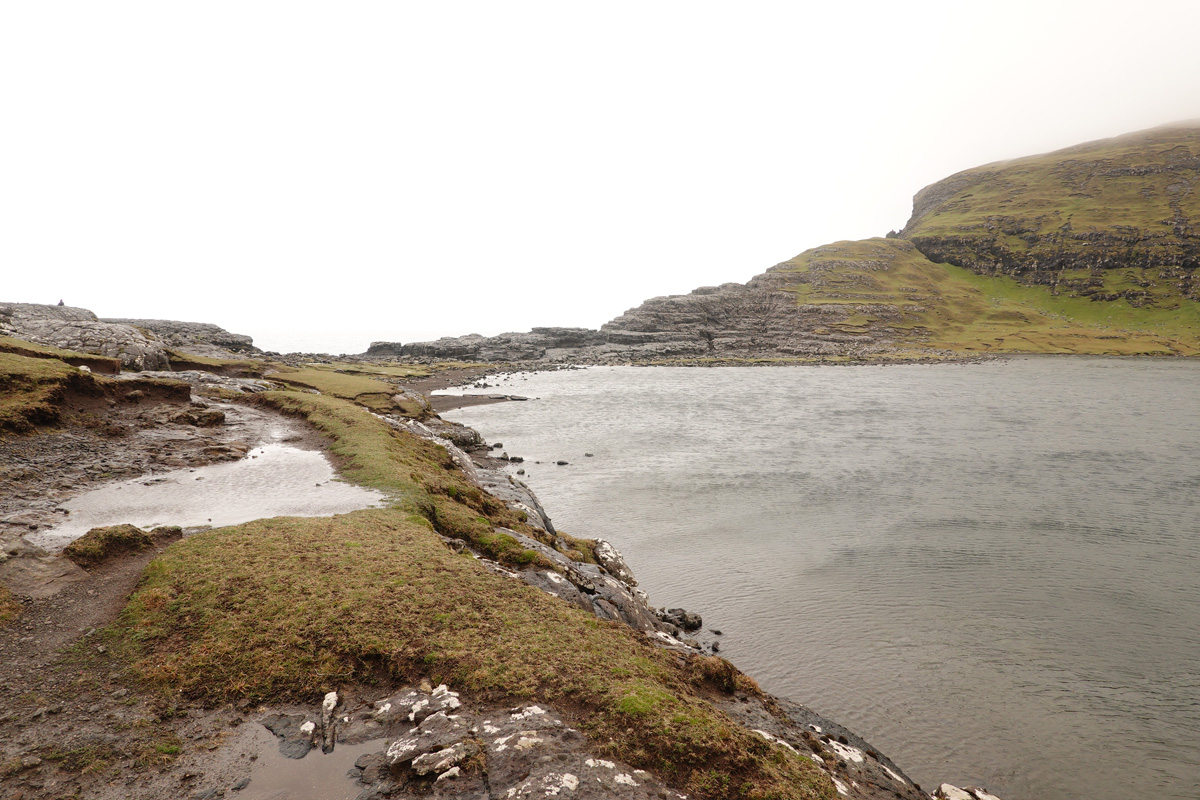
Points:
[(949, 791), (857, 769), (687, 620), (372, 768), (296, 732), (614, 563), (464, 437)]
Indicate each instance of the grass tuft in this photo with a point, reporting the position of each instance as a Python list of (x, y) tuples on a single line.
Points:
[(100, 544)]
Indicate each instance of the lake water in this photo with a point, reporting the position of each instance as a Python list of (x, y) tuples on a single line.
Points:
[(991, 571)]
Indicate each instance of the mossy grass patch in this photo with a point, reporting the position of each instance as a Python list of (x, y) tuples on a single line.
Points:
[(101, 544), (233, 367), (289, 608), (102, 364), (419, 474), (32, 389), (367, 391), (10, 609)]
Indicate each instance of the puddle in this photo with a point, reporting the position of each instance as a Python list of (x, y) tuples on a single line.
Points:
[(318, 775), (253, 752), (274, 480)]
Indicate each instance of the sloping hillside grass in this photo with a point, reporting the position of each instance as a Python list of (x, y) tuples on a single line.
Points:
[(1107, 220), (359, 388), (1126, 181), (947, 307), (287, 609)]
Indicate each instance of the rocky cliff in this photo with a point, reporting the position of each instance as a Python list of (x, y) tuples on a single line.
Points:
[(1111, 219)]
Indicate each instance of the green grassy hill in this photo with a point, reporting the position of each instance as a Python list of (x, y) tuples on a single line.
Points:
[(1092, 249), (1116, 219), (888, 283)]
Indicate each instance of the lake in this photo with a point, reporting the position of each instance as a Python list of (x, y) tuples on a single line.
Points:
[(991, 571)]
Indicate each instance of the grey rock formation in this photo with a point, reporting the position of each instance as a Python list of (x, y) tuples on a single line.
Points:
[(758, 319), (79, 329), (438, 747), (857, 769), (202, 379), (194, 338), (540, 343)]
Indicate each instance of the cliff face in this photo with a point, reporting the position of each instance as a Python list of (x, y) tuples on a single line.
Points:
[(1107, 220)]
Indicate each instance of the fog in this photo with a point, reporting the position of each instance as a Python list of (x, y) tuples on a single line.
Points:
[(480, 167)]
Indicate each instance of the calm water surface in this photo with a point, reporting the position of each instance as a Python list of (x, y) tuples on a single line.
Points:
[(990, 571)]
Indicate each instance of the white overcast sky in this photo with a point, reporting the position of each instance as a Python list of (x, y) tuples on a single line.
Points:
[(400, 167)]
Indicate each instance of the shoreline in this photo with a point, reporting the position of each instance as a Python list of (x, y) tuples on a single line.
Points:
[(96, 597)]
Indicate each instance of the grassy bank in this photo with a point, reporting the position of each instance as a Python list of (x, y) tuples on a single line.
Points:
[(887, 284), (289, 608), (32, 389)]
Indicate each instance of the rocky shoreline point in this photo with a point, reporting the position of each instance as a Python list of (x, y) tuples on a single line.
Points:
[(75, 724)]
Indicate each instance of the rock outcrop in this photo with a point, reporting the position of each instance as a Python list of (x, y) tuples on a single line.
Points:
[(194, 338), (80, 330), (759, 319), (434, 743)]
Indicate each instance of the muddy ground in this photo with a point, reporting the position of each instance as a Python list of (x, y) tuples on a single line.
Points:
[(71, 725), (73, 722)]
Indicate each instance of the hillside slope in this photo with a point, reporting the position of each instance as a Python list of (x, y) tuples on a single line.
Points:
[(1092, 249), (1089, 250), (888, 289), (1112, 219)]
